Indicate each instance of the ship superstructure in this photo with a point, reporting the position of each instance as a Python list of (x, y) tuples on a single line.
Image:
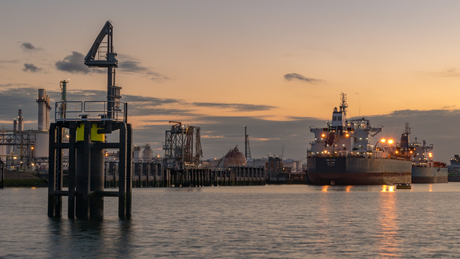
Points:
[(342, 153), (343, 137)]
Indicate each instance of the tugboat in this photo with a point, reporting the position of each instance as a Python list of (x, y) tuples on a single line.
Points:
[(342, 154), (403, 186)]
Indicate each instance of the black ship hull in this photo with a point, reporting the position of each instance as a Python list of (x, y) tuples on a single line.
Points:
[(357, 171)]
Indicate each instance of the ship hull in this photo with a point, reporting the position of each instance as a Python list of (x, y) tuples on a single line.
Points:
[(357, 171), (429, 175)]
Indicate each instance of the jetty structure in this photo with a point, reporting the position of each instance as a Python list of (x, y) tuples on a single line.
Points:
[(86, 123)]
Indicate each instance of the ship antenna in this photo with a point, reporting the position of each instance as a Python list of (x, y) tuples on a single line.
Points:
[(344, 105)]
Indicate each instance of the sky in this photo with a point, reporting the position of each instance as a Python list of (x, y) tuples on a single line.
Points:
[(277, 67)]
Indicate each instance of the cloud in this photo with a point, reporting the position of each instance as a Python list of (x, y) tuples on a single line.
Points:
[(236, 106), (295, 76), (9, 85), (26, 46), (448, 72), (437, 127), (145, 105), (32, 68), (8, 61), (73, 64), (149, 100), (157, 77), (131, 65)]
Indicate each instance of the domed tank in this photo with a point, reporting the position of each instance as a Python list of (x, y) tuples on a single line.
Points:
[(234, 158), (147, 154)]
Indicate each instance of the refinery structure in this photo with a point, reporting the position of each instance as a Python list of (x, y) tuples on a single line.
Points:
[(27, 149)]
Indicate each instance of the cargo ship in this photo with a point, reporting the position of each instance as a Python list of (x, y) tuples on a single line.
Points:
[(424, 168), (342, 154), (454, 169)]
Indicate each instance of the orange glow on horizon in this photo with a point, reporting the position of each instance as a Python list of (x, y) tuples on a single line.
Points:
[(324, 188)]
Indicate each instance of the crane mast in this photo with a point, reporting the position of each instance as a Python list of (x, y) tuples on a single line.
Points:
[(94, 58)]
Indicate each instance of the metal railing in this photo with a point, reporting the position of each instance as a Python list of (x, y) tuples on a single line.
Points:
[(91, 110)]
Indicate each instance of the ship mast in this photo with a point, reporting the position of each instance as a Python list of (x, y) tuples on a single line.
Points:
[(344, 105)]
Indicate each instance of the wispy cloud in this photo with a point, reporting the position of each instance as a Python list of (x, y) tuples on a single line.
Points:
[(8, 61), (131, 65), (9, 85), (236, 106), (28, 47), (157, 77), (299, 77), (448, 72), (31, 68)]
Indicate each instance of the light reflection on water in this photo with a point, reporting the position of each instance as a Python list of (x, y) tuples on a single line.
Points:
[(388, 222), (296, 221)]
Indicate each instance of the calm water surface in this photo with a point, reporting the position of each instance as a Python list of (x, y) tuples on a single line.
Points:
[(296, 221)]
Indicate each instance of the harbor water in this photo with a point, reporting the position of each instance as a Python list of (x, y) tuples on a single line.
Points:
[(284, 221)]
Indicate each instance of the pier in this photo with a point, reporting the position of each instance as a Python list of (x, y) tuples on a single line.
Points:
[(154, 174), (1, 172)]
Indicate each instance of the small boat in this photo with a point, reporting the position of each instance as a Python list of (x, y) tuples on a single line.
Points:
[(403, 186)]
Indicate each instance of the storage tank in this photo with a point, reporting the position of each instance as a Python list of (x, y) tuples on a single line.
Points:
[(147, 154), (41, 148), (234, 158), (136, 152)]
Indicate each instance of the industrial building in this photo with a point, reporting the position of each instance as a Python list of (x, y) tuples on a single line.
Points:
[(27, 149)]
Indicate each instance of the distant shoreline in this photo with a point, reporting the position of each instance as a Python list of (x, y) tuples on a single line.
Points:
[(22, 179)]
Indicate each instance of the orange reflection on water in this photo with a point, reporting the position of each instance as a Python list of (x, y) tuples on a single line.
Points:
[(324, 189), (348, 188), (431, 188), (388, 188), (389, 244)]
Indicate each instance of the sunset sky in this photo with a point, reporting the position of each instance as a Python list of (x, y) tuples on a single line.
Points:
[(277, 67)]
